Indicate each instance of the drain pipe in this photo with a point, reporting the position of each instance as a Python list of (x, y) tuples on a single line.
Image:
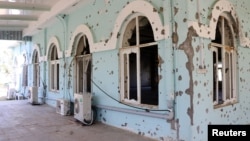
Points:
[(44, 68), (201, 45), (174, 44), (137, 112), (62, 20)]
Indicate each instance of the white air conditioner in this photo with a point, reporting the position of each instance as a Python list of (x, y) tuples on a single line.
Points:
[(63, 107), (11, 93), (33, 91), (83, 108)]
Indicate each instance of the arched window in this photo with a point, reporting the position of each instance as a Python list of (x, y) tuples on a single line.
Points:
[(54, 69), (25, 71), (36, 69), (83, 66), (139, 63), (224, 61)]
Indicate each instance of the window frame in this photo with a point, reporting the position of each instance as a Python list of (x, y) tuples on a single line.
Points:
[(126, 50), (54, 70), (83, 67), (25, 75), (227, 67), (85, 62)]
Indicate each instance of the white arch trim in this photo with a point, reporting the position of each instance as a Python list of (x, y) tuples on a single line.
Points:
[(53, 40), (138, 6), (80, 31), (36, 47), (208, 31)]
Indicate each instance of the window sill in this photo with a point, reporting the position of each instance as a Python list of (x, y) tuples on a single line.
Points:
[(137, 105), (54, 91), (226, 103)]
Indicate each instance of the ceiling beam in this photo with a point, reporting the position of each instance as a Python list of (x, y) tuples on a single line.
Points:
[(13, 26), (59, 8), (23, 6), (19, 17)]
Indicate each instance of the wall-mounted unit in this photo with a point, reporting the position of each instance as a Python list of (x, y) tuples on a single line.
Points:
[(33, 95), (63, 107), (83, 108), (11, 93)]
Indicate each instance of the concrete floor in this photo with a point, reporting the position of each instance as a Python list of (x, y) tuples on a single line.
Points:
[(21, 121)]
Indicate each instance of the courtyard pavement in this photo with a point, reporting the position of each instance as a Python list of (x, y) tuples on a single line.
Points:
[(21, 121)]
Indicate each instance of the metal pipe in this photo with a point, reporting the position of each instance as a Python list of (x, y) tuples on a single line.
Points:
[(175, 46), (63, 22), (141, 113), (201, 65)]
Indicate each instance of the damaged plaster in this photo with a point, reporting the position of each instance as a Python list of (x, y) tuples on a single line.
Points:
[(188, 49)]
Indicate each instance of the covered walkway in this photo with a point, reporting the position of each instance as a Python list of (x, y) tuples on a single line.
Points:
[(21, 121)]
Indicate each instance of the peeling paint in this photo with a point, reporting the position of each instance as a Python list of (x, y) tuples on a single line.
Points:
[(189, 51)]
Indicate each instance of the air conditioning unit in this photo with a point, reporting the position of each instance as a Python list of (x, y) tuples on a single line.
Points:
[(33, 91), (11, 94), (83, 108), (63, 107)]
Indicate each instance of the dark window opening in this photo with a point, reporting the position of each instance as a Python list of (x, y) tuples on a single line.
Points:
[(147, 82)]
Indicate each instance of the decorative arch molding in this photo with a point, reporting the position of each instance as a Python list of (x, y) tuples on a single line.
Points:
[(36, 47), (208, 31), (144, 8), (53, 41), (80, 31)]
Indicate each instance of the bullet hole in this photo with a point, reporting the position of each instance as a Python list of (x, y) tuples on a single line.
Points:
[(180, 78), (161, 9), (195, 83), (175, 10), (205, 84), (198, 129), (124, 125), (215, 20), (154, 10), (184, 20), (106, 41), (118, 35), (199, 95), (162, 32), (197, 15)]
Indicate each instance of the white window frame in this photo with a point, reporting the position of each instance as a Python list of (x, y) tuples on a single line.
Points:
[(83, 62), (126, 50), (225, 71), (83, 67), (25, 76), (54, 71), (36, 70)]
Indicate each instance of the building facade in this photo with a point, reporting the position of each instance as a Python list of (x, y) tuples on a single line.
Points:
[(164, 69)]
